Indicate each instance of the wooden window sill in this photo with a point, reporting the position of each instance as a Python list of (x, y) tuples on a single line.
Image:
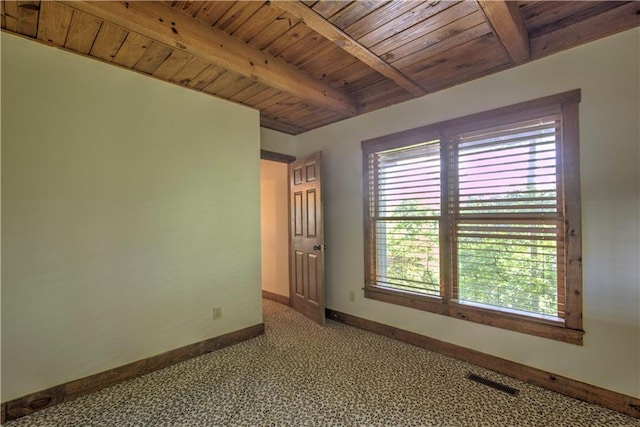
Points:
[(554, 330)]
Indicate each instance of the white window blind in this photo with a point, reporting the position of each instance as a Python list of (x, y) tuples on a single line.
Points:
[(405, 212), (508, 217)]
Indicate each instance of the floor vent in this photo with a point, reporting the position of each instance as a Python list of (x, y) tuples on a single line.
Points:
[(504, 388)]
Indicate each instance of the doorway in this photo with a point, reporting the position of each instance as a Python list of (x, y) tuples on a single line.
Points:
[(274, 219), (292, 232)]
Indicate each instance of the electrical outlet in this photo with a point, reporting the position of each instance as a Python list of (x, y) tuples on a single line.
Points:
[(352, 296), (217, 313)]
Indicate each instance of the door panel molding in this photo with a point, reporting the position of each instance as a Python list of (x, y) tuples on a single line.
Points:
[(297, 213), (311, 213)]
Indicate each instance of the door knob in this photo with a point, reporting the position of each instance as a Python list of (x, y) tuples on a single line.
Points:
[(318, 247)]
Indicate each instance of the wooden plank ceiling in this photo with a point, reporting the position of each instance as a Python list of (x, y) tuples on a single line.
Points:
[(310, 63)]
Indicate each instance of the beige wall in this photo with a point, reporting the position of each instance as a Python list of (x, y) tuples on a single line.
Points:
[(130, 210), (274, 221), (607, 72)]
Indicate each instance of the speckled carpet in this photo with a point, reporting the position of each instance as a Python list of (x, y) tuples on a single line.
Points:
[(301, 374)]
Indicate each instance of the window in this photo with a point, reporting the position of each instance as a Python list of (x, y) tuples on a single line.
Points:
[(479, 218)]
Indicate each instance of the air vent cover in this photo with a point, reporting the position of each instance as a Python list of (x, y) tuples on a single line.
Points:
[(501, 387)]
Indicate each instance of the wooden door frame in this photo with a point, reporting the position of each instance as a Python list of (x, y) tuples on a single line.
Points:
[(276, 157), (283, 158)]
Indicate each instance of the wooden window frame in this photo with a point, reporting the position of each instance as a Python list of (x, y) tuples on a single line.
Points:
[(567, 329)]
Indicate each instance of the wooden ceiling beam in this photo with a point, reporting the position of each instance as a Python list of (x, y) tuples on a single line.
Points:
[(167, 25), (506, 21), (568, 33), (325, 28)]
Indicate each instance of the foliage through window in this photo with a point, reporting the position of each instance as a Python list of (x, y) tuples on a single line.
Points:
[(479, 218)]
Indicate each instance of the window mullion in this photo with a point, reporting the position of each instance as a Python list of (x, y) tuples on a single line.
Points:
[(448, 286)]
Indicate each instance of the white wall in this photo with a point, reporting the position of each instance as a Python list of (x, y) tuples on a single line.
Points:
[(277, 142), (274, 219), (607, 72), (130, 209)]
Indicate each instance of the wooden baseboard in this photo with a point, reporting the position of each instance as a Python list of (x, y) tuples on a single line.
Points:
[(609, 399), (275, 297), (33, 402)]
